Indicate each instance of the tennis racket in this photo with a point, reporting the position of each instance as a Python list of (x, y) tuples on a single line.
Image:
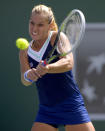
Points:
[(72, 30)]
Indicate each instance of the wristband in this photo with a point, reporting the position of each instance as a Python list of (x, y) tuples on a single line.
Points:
[(25, 77)]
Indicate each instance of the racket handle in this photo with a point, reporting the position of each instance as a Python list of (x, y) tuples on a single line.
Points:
[(44, 63)]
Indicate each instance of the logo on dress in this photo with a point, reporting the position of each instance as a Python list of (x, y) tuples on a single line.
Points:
[(31, 64)]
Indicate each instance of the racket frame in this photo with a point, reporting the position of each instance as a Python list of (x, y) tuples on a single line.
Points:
[(62, 27)]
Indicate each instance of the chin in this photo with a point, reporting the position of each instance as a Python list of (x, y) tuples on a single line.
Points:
[(35, 37)]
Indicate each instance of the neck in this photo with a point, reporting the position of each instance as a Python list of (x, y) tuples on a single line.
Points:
[(37, 44)]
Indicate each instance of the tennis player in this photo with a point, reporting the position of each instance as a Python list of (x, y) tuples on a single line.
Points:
[(60, 100)]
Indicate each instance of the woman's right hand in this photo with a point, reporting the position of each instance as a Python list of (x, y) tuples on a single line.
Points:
[(33, 75)]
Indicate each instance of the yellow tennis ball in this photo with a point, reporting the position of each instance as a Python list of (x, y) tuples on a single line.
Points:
[(22, 43)]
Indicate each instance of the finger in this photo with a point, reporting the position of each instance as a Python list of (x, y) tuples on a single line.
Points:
[(35, 78), (32, 76), (41, 70), (36, 72)]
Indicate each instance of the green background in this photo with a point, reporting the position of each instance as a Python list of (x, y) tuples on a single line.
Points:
[(18, 104)]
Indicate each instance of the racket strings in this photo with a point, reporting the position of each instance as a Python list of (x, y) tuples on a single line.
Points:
[(72, 31)]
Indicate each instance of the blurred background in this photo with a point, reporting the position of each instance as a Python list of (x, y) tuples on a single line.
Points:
[(19, 104)]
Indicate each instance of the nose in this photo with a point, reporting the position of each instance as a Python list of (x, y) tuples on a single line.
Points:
[(35, 28)]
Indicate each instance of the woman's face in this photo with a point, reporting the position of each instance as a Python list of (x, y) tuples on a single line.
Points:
[(38, 27)]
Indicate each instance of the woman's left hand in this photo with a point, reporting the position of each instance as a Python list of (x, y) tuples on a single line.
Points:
[(41, 69)]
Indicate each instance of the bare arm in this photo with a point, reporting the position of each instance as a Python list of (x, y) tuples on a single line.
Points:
[(24, 66), (62, 65)]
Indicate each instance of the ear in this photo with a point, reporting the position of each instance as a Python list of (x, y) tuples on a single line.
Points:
[(51, 26)]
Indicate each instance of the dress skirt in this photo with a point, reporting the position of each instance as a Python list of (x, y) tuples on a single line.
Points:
[(70, 111)]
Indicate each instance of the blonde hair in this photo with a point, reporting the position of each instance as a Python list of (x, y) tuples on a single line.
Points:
[(47, 11)]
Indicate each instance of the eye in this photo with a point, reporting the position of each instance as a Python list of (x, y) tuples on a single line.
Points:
[(31, 22), (40, 25)]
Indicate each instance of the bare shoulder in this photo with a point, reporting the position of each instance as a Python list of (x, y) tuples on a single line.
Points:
[(62, 36)]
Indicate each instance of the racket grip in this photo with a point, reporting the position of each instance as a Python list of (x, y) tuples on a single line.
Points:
[(44, 63)]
